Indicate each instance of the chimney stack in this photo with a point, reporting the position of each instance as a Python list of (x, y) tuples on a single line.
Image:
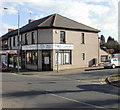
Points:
[(31, 20), (10, 30)]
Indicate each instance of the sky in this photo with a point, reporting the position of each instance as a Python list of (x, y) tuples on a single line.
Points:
[(99, 14)]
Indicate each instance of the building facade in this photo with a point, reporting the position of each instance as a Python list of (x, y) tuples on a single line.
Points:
[(54, 42)]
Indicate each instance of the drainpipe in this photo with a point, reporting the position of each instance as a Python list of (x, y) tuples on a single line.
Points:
[(98, 50), (37, 50)]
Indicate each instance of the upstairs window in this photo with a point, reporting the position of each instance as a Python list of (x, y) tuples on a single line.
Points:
[(26, 39), (14, 41), (83, 56), (18, 40), (33, 37), (62, 37), (10, 42), (83, 38)]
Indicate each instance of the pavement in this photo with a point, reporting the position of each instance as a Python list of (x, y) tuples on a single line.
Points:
[(68, 71), (115, 81)]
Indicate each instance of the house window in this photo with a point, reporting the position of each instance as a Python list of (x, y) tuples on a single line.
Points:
[(83, 56), (62, 37), (63, 57), (26, 39), (31, 57), (83, 38), (18, 40), (104, 58), (33, 37), (10, 42), (14, 41)]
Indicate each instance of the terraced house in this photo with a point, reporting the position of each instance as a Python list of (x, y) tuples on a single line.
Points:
[(54, 40)]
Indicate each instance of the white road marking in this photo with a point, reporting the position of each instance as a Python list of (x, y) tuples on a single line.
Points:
[(78, 101)]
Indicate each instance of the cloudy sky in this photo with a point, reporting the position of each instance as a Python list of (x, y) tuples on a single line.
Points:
[(100, 14)]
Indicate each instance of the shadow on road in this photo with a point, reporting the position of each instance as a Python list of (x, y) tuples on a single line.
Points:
[(94, 69), (104, 88)]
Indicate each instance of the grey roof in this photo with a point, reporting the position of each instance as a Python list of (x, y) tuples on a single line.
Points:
[(52, 21)]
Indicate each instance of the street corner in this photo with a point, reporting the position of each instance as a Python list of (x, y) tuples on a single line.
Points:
[(113, 80), (103, 80)]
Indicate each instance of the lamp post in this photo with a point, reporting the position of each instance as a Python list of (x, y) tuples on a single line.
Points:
[(18, 64)]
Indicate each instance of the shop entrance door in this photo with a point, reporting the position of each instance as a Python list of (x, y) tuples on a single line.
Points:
[(46, 60)]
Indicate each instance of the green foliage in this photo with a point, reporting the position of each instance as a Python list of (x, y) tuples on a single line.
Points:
[(102, 41), (112, 46)]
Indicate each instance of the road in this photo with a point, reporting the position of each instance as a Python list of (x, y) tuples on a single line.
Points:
[(79, 90)]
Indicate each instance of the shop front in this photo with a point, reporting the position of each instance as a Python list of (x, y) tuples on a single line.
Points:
[(42, 56), (9, 57)]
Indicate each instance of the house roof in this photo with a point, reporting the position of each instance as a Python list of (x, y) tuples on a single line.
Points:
[(52, 21)]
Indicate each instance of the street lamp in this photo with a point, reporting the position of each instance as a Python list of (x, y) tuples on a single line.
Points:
[(18, 64)]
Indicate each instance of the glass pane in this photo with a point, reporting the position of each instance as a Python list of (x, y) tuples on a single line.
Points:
[(66, 58)]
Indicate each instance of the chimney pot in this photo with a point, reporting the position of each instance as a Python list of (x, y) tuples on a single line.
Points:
[(10, 30), (31, 20)]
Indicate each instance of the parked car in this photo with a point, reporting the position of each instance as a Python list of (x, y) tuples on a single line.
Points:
[(112, 63), (3, 67)]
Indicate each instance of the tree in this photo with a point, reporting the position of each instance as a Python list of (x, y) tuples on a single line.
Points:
[(102, 41), (112, 44)]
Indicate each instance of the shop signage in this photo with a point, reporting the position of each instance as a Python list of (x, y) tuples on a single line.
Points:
[(8, 52), (29, 47), (48, 46), (12, 51)]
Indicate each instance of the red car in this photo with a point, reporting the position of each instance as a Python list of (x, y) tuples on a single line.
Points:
[(3, 67)]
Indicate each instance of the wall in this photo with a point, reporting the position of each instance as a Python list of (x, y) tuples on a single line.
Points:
[(45, 36), (90, 48)]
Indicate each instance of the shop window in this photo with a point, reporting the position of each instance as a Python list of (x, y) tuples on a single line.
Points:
[(63, 57), (104, 58), (33, 37), (83, 38), (62, 37), (31, 57)]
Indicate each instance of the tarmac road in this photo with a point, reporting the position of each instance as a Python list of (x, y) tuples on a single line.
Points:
[(78, 90)]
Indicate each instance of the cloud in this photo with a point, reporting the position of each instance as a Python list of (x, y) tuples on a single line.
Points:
[(6, 27), (100, 14)]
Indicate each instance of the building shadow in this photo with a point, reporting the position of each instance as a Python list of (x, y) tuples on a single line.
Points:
[(102, 88)]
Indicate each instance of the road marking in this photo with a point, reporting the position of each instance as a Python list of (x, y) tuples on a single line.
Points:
[(78, 101)]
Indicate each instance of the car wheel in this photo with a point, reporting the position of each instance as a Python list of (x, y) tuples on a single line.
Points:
[(113, 66)]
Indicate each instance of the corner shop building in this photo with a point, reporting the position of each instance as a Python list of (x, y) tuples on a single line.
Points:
[(55, 40)]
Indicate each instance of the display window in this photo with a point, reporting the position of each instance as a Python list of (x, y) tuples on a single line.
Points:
[(31, 57)]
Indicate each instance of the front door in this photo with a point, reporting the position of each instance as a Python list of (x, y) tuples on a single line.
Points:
[(46, 60)]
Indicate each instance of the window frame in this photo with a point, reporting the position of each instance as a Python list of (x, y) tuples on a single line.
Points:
[(14, 38), (62, 37), (82, 38), (33, 38), (83, 56), (10, 42), (61, 57), (104, 56), (26, 39), (33, 56)]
